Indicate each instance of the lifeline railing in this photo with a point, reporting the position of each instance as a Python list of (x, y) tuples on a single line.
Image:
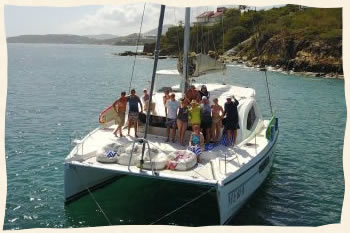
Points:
[(144, 142), (80, 142)]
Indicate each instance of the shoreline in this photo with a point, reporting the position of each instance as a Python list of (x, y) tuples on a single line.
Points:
[(246, 64), (250, 64)]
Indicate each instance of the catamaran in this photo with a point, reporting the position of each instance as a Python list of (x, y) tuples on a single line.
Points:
[(233, 172)]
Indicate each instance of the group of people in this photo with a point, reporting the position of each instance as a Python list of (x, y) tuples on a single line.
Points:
[(133, 117), (206, 119)]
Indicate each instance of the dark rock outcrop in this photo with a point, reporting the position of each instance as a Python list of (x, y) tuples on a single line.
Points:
[(290, 52)]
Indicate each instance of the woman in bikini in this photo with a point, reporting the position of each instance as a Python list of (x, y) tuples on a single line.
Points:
[(216, 109)]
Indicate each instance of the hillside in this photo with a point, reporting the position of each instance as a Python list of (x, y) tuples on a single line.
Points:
[(52, 39), (154, 31), (291, 37), (107, 39), (101, 36)]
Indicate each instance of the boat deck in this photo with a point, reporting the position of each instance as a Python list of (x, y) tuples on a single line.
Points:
[(211, 168)]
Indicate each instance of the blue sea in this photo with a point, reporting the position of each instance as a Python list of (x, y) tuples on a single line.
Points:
[(56, 92)]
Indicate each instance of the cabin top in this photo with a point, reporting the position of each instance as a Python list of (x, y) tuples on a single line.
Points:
[(219, 91)]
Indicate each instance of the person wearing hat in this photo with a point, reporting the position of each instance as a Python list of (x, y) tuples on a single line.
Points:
[(204, 92), (231, 121), (206, 119), (194, 113)]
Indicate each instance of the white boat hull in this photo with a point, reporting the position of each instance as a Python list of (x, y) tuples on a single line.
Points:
[(78, 180), (232, 194), (244, 170), (235, 192)]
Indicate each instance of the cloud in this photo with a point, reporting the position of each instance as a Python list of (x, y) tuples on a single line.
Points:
[(126, 19)]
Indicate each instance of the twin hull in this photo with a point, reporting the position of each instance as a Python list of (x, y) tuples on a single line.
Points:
[(235, 191), (232, 193)]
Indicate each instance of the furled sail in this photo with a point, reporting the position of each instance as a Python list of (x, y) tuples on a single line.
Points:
[(199, 64)]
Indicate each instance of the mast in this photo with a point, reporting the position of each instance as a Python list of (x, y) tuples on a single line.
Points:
[(185, 82), (156, 55)]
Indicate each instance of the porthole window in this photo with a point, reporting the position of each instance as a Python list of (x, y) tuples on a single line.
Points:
[(251, 119)]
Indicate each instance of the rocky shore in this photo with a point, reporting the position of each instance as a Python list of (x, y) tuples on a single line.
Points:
[(286, 54), (249, 64), (144, 54), (290, 55)]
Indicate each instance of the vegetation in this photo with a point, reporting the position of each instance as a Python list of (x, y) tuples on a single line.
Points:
[(321, 24)]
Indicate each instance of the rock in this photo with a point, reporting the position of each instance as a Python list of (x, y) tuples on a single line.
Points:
[(249, 64), (290, 52), (127, 53), (149, 48), (254, 59), (212, 54)]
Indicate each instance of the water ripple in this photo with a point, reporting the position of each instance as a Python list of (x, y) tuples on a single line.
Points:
[(305, 187)]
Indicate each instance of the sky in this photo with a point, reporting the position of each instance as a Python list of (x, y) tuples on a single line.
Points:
[(90, 20)]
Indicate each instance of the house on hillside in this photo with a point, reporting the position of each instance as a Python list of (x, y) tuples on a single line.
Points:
[(211, 17)]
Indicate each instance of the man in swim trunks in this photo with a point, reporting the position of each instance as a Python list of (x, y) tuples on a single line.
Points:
[(231, 122), (172, 107), (120, 108), (133, 116)]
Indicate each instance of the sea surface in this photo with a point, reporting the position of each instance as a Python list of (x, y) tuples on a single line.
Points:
[(56, 92)]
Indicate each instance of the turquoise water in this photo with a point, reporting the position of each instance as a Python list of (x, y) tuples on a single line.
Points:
[(55, 93)]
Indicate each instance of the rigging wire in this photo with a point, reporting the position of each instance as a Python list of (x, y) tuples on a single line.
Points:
[(182, 206), (268, 92), (93, 197), (137, 46), (178, 35), (223, 49), (256, 26), (197, 34), (212, 36)]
